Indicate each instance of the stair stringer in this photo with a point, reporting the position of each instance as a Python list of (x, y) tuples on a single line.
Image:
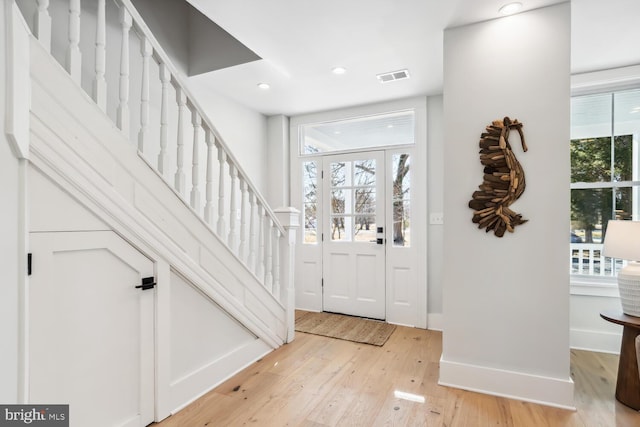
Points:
[(76, 145)]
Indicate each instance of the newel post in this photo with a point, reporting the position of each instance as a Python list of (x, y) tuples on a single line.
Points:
[(290, 220)]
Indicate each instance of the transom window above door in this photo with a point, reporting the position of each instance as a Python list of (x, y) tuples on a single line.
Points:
[(380, 130)]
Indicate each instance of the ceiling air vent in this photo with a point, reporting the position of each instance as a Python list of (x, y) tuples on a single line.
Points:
[(393, 76)]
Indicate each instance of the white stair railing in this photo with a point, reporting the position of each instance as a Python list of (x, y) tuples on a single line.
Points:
[(268, 242)]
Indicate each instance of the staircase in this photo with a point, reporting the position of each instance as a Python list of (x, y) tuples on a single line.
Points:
[(141, 155)]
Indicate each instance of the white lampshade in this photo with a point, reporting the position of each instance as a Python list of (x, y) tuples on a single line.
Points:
[(622, 240)]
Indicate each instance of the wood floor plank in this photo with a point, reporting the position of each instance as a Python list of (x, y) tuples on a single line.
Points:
[(303, 389), (333, 405), (318, 382)]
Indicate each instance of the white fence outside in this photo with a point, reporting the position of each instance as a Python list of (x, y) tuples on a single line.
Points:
[(588, 259)]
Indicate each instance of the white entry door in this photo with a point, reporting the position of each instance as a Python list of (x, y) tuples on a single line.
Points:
[(353, 238), (91, 329)]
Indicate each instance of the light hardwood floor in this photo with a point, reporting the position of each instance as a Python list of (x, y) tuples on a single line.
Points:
[(318, 381)]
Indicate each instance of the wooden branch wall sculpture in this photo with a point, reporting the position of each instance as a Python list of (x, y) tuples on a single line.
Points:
[(503, 180)]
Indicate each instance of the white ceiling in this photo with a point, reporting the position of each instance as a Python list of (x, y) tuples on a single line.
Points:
[(300, 41)]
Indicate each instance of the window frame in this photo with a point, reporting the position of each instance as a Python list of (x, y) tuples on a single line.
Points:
[(592, 83)]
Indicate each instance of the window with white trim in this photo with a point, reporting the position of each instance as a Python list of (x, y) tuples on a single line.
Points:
[(605, 173)]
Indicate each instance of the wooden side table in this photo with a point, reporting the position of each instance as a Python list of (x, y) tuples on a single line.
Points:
[(628, 382)]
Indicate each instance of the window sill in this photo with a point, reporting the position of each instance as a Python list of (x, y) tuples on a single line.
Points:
[(593, 286)]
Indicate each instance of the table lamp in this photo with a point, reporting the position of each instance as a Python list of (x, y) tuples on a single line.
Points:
[(622, 241)]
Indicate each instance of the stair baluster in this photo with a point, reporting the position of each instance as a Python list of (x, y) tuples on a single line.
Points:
[(251, 259), (181, 99), (42, 28), (99, 82), (276, 263), (74, 57), (260, 256), (243, 220), (268, 246), (165, 79), (123, 108), (233, 213), (196, 120), (146, 51), (208, 207), (222, 159)]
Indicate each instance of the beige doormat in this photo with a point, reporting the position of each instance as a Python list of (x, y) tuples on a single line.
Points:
[(343, 327)]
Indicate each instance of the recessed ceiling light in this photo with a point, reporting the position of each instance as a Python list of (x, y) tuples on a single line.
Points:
[(264, 86), (339, 70), (510, 8)]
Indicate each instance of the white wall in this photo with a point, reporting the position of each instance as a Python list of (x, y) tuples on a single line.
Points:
[(14, 141), (9, 244), (588, 330), (435, 195), (506, 300)]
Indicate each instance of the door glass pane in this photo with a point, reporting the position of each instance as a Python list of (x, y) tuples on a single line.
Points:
[(366, 201), (365, 230), (339, 174), (365, 173), (401, 199), (339, 203), (310, 197), (341, 228)]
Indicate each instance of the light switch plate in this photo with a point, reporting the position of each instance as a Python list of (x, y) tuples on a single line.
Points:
[(436, 218)]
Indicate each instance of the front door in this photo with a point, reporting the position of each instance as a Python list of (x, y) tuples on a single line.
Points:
[(90, 329), (353, 235)]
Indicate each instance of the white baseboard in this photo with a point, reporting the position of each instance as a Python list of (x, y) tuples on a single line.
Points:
[(185, 391), (548, 391), (603, 342)]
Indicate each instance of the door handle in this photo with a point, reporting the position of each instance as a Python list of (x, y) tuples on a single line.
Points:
[(147, 283)]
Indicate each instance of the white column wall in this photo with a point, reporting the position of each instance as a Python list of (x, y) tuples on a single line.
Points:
[(506, 300), (435, 193), (11, 240), (278, 181)]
